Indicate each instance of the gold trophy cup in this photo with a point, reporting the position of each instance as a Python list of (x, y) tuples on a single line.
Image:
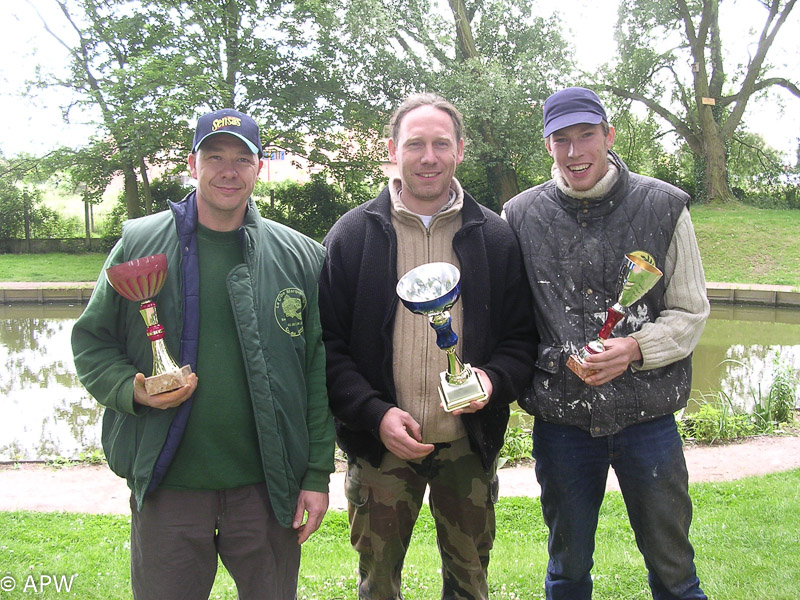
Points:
[(638, 276), (432, 289), (140, 280)]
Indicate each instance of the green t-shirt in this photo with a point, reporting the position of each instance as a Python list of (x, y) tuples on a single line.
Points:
[(219, 449)]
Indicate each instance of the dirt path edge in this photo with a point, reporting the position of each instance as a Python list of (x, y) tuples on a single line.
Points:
[(96, 490)]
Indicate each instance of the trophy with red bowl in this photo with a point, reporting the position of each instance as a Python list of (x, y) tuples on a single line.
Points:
[(140, 280)]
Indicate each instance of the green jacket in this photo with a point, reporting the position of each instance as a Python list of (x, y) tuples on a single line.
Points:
[(274, 297)]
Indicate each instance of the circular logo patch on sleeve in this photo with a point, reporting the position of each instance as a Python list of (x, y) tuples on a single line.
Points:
[(289, 305)]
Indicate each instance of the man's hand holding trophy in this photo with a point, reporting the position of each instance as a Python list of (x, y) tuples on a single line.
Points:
[(638, 276)]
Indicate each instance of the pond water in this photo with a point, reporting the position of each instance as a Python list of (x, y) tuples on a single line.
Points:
[(44, 410), (46, 413), (741, 349)]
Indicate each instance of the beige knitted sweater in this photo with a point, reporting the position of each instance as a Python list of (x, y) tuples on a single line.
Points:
[(417, 359)]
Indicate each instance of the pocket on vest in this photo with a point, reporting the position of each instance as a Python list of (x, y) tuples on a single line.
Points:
[(549, 381)]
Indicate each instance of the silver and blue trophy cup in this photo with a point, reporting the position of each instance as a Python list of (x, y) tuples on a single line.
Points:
[(431, 290)]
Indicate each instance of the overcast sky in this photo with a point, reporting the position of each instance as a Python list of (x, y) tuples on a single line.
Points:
[(33, 124)]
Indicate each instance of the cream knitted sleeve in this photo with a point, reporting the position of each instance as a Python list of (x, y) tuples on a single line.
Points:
[(676, 331)]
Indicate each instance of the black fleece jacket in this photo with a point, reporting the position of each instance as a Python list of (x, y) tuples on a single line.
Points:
[(357, 307)]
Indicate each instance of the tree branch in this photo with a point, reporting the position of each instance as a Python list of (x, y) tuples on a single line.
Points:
[(768, 33), (765, 159), (762, 85), (681, 127)]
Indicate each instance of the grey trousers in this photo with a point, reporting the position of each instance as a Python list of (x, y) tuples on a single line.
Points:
[(178, 535)]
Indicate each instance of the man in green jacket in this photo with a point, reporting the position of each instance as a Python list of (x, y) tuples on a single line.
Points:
[(235, 464)]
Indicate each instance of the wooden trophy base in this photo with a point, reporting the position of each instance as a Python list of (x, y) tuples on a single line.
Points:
[(577, 366), (166, 382)]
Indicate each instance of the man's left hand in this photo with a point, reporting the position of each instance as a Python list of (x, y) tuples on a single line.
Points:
[(314, 504), (613, 361), (475, 405)]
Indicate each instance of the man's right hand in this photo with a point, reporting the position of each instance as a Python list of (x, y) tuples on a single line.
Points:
[(401, 435), (167, 399)]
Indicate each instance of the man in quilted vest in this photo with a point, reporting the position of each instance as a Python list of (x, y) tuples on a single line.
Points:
[(575, 232)]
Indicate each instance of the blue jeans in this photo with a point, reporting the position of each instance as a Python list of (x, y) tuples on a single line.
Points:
[(572, 468)]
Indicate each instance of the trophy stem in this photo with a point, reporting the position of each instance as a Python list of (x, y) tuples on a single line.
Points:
[(615, 313), (149, 313), (162, 361), (613, 316), (457, 372), (167, 375), (441, 323)]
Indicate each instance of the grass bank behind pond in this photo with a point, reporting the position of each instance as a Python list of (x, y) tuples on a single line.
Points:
[(745, 534), (742, 244), (51, 267), (738, 244)]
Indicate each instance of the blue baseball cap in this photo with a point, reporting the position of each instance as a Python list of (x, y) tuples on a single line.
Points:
[(572, 106), (229, 121)]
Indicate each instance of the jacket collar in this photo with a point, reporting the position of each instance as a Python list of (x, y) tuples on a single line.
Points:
[(185, 213), (381, 208)]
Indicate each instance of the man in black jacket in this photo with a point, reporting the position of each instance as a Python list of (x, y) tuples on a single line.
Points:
[(383, 363)]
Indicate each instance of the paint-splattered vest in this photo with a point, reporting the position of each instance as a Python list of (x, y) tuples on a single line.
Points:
[(573, 251)]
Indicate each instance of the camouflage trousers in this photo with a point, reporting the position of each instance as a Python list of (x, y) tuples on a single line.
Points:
[(383, 505)]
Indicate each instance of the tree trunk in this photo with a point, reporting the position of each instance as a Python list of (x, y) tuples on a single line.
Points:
[(27, 218), (717, 185), (87, 217), (504, 183), (131, 190), (502, 177), (148, 196), (715, 155), (232, 20), (466, 42)]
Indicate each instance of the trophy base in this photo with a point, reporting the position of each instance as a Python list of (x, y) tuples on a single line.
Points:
[(166, 382), (458, 396), (577, 366)]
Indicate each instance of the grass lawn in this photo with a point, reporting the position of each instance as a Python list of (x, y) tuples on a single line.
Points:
[(745, 533), (51, 267), (739, 244), (71, 206)]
